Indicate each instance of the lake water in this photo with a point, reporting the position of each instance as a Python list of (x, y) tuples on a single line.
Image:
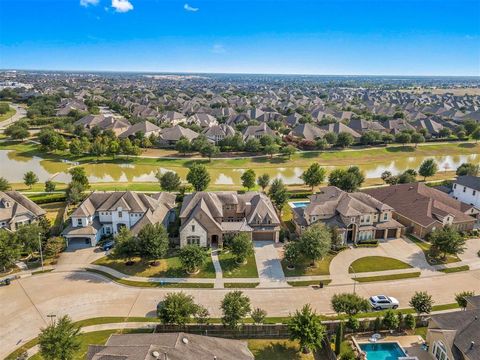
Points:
[(13, 167)]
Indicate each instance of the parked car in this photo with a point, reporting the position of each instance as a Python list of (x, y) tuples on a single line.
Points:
[(108, 245), (6, 281), (382, 302)]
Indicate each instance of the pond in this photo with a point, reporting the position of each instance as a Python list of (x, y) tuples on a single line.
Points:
[(13, 166)]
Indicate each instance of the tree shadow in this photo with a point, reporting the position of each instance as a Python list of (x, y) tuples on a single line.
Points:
[(467, 145), (401, 149), (278, 351)]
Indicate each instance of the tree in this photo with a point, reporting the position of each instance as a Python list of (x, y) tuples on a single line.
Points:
[(55, 245), (209, 150), (410, 322), (278, 194), (417, 138), (461, 298), (350, 304), (28, 236), (153, 241), (331, 138), (386, 176), (291, 253), (176, 308), (252, 145), (263, 181), (59, 341), (306, 327), (202, 315), (183, 145), (404, 178), (428, 168), (313, 176), (476, 135), (74, 192), (79, 175), (339, 338), (10, 249), (444, 132), (30, 179), (345, 139), (170, 181), (98, 148), (49, 186), (421, 302), (348, 180), (368, 138), (390, 320), (448, 241), (468, 169), (192, 257), (4, 184), (258, 315), (271, 149), (199, 177), (242, 247), (113, 148), (17, 131), (235, 306), (248, 179), (352, 323), (126, 245), (288, 150), (315, 242), (403, 138)]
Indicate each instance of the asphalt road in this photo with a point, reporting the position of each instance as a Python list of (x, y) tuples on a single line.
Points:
[(26, 303), (20, 113)]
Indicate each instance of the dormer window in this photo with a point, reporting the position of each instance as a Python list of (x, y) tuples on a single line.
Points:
[(385, 216), (79, 222), (120, 214)]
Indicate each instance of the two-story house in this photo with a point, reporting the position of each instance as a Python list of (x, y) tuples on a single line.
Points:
[(207, 217), (467, 190), (357, 216), (17, 210), (105, 213)]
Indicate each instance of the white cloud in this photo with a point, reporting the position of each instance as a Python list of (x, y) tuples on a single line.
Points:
[(88, 2), (218, 49), (190, 8), (122, 6)]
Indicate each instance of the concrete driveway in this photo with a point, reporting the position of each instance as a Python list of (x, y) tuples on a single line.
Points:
[(270, 270), (77, 255)]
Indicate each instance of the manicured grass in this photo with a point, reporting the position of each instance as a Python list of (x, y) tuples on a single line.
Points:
[(55, 212), (152, 284), (41, 271), (232, 270), (425, 246), (377, 263), (388, 277), (421, 331), (277, 350), (309, 282), (240, 285), (169, 267), (302, 268), (113, 320), (455, 269)]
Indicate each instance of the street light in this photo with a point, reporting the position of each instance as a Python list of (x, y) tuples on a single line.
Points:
[(354, 278), (40, 247), (52, 317)]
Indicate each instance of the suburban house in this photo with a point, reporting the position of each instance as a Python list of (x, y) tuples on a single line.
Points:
[(307, 131), (467, 190), (339, 128), (422, 209), (257, 131), (104, 213), (17, 210), (456, 335), (217, 133), (169, 346), (207, 217), (357, 216), (144, 127), (170, 136), (203, 120)]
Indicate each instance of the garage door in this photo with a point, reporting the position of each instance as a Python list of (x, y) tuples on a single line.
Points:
[(392, 233), (379, 234), (268, 236)]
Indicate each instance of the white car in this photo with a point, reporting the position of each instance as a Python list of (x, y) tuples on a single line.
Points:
[(382, 302)]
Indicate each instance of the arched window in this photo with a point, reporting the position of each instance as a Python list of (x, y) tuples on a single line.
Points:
[(439, 350)]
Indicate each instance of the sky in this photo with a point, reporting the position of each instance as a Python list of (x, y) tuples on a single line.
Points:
[(330, 37)]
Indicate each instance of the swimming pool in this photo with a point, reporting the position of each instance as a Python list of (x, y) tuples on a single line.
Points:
[(383, 351), (299, 204)]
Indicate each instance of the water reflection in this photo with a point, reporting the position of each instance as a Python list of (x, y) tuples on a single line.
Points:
[(13, 166)]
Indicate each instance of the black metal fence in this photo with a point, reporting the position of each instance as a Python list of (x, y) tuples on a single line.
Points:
[(247, 331)]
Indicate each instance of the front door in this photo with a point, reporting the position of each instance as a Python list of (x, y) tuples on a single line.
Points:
[(214, 241)]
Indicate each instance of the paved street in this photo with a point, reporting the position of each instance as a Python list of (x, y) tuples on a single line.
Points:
[(85, 295), (20, 113)]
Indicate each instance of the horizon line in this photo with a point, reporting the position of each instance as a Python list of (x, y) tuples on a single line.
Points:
[(227, 73)]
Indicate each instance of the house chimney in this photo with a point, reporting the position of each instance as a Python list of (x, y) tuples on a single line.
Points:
[(165, 356), (472, 344)]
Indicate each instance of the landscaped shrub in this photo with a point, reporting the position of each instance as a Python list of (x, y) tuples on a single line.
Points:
[(47, 198)]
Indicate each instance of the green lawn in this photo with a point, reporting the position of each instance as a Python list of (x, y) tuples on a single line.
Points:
[(455, 269), (232, 270), (377, 263), (421, 331), (277, 350), (151, 284), (169, 267), (425, 246), (388, 277), (11, 111), (303, 268), (232, 285), (309, 282)]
